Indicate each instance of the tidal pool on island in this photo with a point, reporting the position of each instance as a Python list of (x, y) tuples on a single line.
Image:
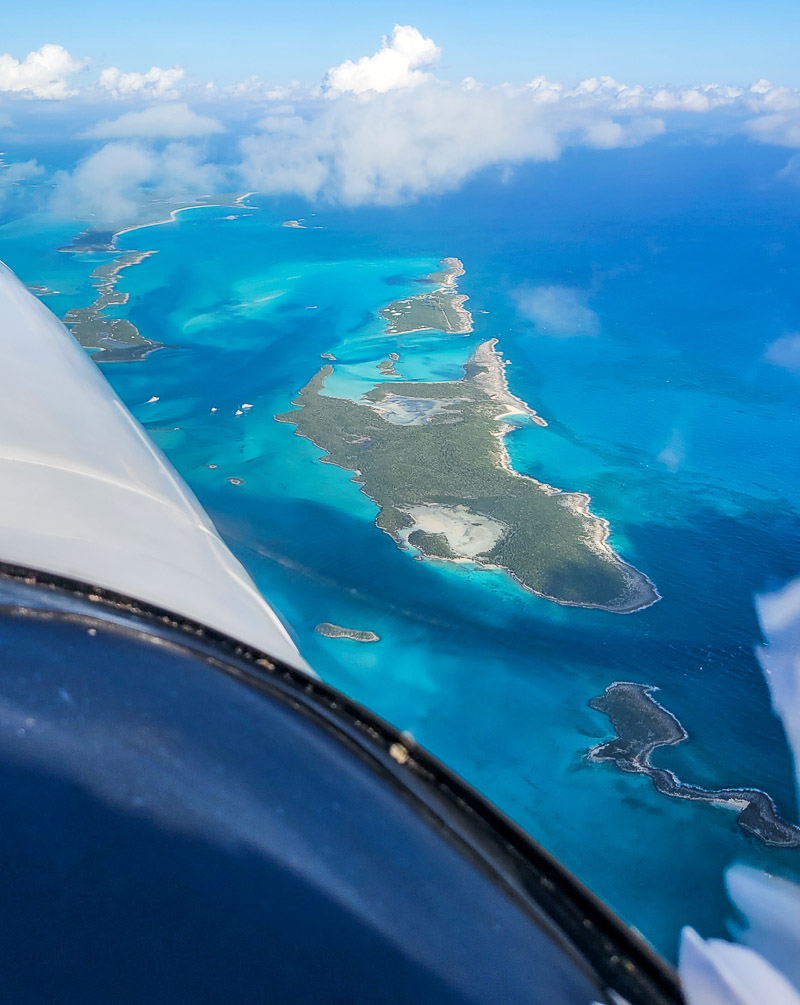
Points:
[(668, 428)]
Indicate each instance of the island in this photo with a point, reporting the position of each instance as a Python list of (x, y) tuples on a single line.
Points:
[(433, 458), (331, 631), (117, 340), (150, 213), (91, 241), (109, 339), (642, 725), (387, 366), (441, 309)]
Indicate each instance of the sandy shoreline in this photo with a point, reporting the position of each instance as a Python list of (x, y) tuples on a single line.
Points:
[(238, 202), (441, 310), (461, 527), (494, 383), (452, 271), (641, 592)]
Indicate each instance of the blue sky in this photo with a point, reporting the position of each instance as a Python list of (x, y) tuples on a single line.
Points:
[(103, 112), (636, 41)]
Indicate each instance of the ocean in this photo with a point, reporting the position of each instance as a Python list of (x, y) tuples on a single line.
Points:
[(669, 416)]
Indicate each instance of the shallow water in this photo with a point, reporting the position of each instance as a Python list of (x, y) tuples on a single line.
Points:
[(669, 418)]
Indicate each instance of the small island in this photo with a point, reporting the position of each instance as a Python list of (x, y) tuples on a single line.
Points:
[(440, 310), (331, 631), (433, 458), (387, 366), (642, 725), (109, 339)]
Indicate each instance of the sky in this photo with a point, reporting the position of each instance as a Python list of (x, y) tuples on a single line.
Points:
[(649, 42), (101, 113)]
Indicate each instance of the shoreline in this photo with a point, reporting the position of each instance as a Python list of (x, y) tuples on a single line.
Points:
[(491, 359), (638, 593), (443, 299), (238, 203), (328, 630), (111, 339), (452, 271), (578, 502), (641, 725)]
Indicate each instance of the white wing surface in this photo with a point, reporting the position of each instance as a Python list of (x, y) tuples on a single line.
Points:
[(85, 493)]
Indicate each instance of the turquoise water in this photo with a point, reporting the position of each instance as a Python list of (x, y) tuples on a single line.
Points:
[(690, 260)]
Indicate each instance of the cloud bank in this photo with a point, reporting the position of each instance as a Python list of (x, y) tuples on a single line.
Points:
[(108, 186), (169, 121), (156, 83), (382, 129), (396, 145), (12, 177)]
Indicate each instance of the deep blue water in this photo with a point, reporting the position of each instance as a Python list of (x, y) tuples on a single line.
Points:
[(689, 256)]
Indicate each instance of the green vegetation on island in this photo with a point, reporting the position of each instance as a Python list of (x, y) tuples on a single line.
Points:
[(387, 366), (432, 456), (117, 340), (110, 339), (440, 310)]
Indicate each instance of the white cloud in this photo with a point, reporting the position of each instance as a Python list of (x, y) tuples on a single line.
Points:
[(12, 183), (673, 454), (391, 146), (778, 118), (368, 136), (110, 185), (690, 100), (254, 89), (11, 174), (14, 175), (779, 129), (766, 96), (42, 74), (396, 64), (785, 352), (791, 170), (168, 121), (557, 310), (715, 972), (156, 83), (615, 97), (545, 90)]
